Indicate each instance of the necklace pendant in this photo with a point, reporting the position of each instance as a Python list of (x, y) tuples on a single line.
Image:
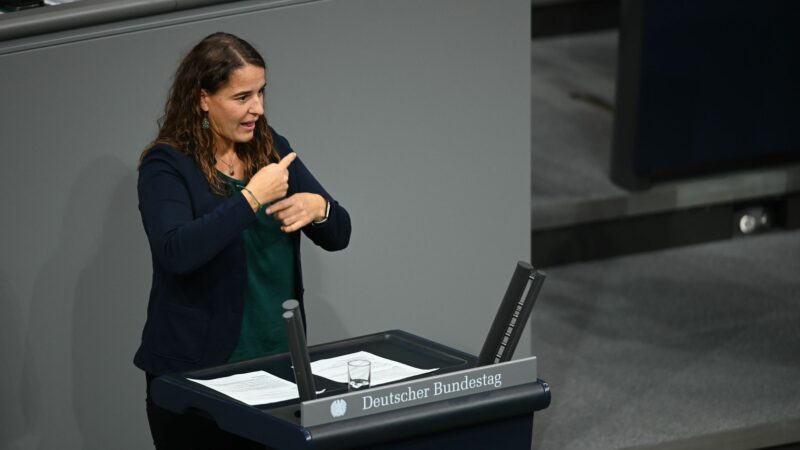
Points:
[(230, 166)]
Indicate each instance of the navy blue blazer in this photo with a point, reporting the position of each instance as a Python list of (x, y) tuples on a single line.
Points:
[(199, 264)]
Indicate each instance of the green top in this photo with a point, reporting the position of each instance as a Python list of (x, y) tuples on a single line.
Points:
[(270, 282)]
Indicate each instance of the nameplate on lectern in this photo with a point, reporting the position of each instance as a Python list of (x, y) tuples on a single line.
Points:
[(416, 392)]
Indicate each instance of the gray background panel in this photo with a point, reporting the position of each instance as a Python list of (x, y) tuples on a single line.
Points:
[(415, 114)]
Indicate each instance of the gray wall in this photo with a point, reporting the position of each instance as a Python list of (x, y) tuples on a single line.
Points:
[(415, 114)]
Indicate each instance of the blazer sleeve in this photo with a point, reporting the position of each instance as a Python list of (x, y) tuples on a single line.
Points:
[(180, 241), (334, 233)]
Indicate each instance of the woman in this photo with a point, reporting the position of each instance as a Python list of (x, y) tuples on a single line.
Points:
[(223, 199)]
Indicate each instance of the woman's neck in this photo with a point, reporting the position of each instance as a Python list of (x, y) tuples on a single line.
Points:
[(225, 152)]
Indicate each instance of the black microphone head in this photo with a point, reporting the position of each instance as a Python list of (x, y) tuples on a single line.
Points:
[(525, 265), (290, 305)]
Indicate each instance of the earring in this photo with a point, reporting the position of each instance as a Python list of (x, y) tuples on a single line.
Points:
[(205, 123)]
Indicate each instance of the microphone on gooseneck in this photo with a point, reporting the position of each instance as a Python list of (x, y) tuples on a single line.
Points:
[(298, 350)]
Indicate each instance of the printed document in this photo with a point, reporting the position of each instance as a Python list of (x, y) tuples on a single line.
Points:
[(253, 388), (382, 370)]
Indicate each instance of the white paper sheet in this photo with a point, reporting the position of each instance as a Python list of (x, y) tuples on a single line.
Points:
[(382, 370), (253, 388)]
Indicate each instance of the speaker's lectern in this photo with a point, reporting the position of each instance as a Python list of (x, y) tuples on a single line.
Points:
[(449, 417), (466, 403)]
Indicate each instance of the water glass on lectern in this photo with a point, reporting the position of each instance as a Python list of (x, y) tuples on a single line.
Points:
[(358, 374)]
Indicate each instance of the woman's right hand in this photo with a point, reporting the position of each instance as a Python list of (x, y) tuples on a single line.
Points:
[(271, 182)]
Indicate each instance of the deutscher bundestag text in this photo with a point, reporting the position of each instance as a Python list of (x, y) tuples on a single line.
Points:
[(439, 388)]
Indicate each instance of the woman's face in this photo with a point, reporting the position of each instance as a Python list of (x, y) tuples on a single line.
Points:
[(234, 109)]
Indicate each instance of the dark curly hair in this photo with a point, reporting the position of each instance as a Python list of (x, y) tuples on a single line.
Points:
[(209, 66)]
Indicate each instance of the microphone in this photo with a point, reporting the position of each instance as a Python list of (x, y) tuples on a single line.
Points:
[(298, 350)]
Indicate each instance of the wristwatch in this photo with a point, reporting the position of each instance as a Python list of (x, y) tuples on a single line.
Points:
[(327, 213)]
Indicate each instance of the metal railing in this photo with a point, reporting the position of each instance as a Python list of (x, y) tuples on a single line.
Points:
[(49, 19)]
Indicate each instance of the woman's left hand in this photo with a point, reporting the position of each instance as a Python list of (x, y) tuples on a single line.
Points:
[(296, 211)]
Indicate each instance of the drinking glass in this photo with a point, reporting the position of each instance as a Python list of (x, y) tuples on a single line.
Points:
[(358, 374)]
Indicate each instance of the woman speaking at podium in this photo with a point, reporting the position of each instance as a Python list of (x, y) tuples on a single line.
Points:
[(223, 200)]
